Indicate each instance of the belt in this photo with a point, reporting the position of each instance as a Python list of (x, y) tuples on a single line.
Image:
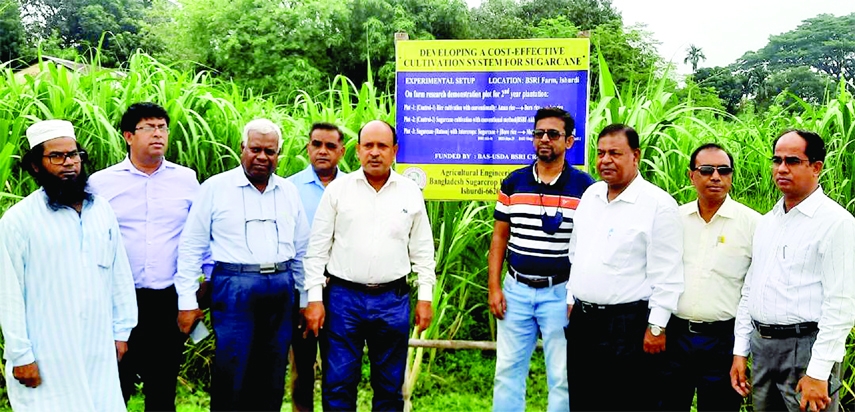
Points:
[(262, 269), (544, 282), (620, 308), (375, 288), (767, 331), (717, 328)]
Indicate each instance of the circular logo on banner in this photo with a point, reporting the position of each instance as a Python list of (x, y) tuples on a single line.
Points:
[(417, 175)]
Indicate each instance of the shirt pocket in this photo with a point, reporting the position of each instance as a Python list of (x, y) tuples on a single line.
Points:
[(731, 262), (618, 248), (285, 226), (399, 223), (105, 247)]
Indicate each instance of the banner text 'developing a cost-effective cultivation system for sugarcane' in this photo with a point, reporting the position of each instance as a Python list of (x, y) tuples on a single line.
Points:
[(465, 109)]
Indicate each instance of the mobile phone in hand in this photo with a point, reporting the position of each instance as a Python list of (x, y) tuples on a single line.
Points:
[(199, 331)]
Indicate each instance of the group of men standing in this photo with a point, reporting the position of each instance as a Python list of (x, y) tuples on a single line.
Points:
[(630, 263), (101, 279)]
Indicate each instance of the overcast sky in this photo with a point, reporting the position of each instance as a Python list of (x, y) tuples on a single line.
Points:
[(724, 29)]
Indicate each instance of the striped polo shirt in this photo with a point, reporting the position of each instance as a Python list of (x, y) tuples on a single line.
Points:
[(525, 203)]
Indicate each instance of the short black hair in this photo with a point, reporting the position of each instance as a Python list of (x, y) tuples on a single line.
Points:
[(327, 126), (139, 111), (619, 128), (34, 157), (559, 113), (707, 146), (814, 145), (394, 135)]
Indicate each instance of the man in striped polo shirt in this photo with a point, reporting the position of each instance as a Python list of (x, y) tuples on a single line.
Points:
[(534, 219)]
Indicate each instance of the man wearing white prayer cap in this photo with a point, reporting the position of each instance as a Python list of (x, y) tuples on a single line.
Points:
[(67, 302)]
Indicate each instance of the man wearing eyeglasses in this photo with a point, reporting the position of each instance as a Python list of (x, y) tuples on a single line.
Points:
[(533, 222), (325, 149), (798, 302), (717, 235), (67, 302), (151, 197), (256, 228), (626, 277)]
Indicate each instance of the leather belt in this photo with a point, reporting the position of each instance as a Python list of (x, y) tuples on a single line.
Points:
[(717, 328), (767, 331), (374, 288), (262, 269), (540, 283), (620, 308)]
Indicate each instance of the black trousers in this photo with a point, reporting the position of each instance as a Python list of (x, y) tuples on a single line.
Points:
[(699, 361), (155, 350), (305, 355), (607, 368)]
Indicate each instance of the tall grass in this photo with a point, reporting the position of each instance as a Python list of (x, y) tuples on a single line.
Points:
[(208, 115)]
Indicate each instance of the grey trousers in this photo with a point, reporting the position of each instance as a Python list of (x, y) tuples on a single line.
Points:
[(777, 366)]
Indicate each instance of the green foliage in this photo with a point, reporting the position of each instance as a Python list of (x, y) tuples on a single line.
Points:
[(12, 35), (730, 87), (584, 14), (694, 55)]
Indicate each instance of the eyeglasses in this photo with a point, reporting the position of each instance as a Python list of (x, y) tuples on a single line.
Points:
[(789, 160), (551, 133), (707, 170), (150, 129), (76, 156)]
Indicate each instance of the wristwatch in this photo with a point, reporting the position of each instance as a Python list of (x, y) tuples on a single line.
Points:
[(655, 330)]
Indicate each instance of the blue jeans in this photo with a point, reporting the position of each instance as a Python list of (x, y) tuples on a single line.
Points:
[(251, 315), (354, 318), (531, 311)]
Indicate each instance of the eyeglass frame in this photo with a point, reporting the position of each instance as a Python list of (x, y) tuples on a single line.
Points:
[(790, 160), (152, 129), (709, 170), (548, 132), (76, 156)]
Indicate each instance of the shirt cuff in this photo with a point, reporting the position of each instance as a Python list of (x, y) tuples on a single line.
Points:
[(315, 294), (659, 316), (122, 336), (571, 300), (25, 359), (426, 293), (207, 269), (188, 302), (819, 368), (741, 346), (304, 300)]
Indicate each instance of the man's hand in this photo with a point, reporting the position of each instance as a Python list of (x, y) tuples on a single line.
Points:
[(569, 310), (314, 314), (424, 314), (654, 344), (121, 349), (186, 319), (498, 305), (739, 377), (814, 394), (28, 375)]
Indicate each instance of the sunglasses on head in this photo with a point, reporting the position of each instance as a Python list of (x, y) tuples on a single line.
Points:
[(707, 170)]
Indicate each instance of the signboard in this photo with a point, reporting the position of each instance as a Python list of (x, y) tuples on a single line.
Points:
[(465, 109)]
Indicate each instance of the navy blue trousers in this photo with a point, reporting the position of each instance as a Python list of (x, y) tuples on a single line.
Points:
[(251, 315), (356, 318)]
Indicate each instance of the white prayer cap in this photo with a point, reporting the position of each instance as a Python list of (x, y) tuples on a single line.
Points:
[(45, 130)]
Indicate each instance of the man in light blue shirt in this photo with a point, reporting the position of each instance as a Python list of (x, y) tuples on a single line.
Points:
[(255, 225), (325, 149)]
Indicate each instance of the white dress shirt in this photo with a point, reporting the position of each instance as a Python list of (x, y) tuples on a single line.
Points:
[(243, 226), (368, 236), (716, 256), (627, 250), (802, 270)]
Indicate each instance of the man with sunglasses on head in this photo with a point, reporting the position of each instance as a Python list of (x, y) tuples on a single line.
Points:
[(256, 228), (325, 149), (67, 301), (798, 301), (534, 220), (717, 235), (151, 197), (626, 278)]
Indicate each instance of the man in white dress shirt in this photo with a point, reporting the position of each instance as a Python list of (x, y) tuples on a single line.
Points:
[(717, 234), (625, 279), (254, 223), (370, 231), (798, 302)]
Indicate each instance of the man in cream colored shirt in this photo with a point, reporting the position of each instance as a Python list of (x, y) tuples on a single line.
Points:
[(625, 279), (370, 231), (798, 302), (717, 233)]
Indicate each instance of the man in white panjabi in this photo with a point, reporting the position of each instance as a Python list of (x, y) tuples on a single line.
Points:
[(67, 303)]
